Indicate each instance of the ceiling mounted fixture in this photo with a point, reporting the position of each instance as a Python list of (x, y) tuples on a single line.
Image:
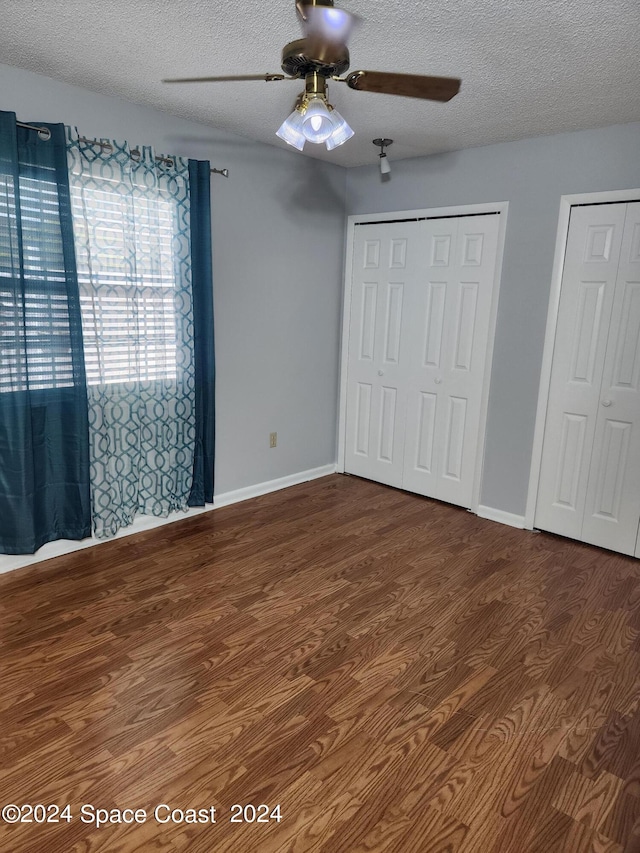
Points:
[(385, 166), (314, 119), (320, 56)]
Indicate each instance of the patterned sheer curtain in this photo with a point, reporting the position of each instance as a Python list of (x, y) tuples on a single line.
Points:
[(131, 219)]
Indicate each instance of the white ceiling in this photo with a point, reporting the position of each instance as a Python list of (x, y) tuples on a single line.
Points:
[(528, 67)]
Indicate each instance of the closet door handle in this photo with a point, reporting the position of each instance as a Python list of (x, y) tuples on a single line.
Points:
[(607, 402), (380, 373), (437, 381)]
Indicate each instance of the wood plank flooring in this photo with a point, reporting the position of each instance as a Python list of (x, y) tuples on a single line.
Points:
[(397, 674)]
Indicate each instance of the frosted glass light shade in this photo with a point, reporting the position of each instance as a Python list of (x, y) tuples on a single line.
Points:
[(385, 166), (291, 130), (316, 122), (341, 131)]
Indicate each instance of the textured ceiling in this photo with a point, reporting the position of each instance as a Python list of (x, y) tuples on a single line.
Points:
[(528, 67)]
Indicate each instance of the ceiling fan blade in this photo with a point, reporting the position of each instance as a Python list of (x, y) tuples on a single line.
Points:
[(326, 30), (406, 85), (327, 24), (268, 77)]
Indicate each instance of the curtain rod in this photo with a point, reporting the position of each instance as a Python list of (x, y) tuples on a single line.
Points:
[(45, 134), (135, 154)]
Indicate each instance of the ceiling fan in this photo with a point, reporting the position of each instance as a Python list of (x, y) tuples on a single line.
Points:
[(320, 56)]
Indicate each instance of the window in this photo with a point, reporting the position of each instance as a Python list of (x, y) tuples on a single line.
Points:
[(127, 279), (35, 344), (127, 248)]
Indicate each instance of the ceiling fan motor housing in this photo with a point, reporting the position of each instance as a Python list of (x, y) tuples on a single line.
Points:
[(326, 60)]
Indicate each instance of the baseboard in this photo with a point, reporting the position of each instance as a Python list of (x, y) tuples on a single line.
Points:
[(501, 516), (227, 498), (8, 562)]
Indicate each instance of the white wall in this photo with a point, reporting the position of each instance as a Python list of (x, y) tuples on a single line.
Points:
[(278, 232), (531, 175)]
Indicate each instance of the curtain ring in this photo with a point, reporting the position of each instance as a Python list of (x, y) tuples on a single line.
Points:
[(44, 133)]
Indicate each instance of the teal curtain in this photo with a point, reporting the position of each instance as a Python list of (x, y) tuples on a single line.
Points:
[(132, 223), (44, 451), (201, 278)]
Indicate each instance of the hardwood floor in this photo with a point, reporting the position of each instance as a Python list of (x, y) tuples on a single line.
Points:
[(397, 674)]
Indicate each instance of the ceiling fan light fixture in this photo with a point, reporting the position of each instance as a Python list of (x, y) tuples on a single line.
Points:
[(320, 56), (291, 130), (317, 125), (341, 131)]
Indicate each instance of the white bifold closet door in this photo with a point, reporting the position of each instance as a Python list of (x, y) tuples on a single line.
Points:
[(590, 474), (419, 329)]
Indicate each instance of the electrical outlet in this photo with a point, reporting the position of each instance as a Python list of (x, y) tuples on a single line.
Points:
[(273, 439)]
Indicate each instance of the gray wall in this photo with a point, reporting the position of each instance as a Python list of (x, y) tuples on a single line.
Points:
[(531, 175), (278, 232)]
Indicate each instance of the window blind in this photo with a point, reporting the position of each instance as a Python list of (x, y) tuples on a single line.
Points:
[(127, 299), (127, 279), (35, 345)]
